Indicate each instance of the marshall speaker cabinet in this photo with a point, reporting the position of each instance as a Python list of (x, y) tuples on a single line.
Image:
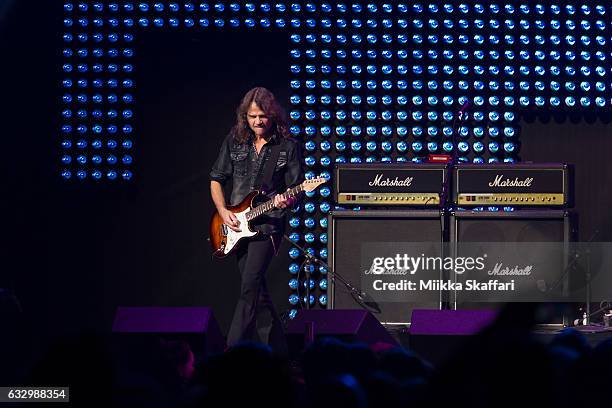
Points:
[(529, 247), (359, 240)]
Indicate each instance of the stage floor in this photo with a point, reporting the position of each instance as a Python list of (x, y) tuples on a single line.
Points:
[(438, 348)]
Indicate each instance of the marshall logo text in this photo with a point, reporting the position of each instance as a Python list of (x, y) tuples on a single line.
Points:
[(501, 182), (387, 182)]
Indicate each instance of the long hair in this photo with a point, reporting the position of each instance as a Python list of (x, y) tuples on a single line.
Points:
[(266, 101)]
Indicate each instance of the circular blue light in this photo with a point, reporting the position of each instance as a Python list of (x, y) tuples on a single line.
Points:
[(570, 101), (539, 101), (601, 71), (509, 147), (309, 222)]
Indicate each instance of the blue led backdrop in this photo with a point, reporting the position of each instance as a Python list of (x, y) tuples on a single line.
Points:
[(370, 82)]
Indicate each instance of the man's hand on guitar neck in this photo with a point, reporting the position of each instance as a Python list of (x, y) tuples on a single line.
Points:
[(279, 202), (230, 219)]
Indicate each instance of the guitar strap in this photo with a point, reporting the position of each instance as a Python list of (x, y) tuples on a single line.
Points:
[(265, 177)]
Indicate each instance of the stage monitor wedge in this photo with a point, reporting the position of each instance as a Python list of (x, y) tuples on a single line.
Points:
[(196, 324)]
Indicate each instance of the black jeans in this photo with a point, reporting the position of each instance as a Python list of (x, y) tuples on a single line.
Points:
[(255, 312)]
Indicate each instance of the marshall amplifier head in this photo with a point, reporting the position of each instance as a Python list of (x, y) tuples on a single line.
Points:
[(525, 185), (393, 184)]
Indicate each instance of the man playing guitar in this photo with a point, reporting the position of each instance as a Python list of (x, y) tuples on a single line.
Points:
[(258, 154)]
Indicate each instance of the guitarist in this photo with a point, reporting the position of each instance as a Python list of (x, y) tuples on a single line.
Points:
[(258, 154)]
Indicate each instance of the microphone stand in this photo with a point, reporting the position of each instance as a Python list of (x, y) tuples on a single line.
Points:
[(456, 126), (360, 297), (587, 278), (448, 207)]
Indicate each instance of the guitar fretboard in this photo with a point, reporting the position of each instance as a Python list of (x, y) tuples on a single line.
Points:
[(269, 205)]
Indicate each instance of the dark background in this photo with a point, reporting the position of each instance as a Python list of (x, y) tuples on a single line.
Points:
[(584, 141), (145, 243), (72, 252)]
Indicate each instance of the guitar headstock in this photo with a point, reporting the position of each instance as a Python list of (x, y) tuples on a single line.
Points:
[(311, 184)]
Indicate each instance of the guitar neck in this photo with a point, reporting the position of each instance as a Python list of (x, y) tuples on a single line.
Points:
[(269, 205)]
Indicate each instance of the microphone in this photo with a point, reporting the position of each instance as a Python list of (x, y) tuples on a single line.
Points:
[(459, 116), (464, 109)]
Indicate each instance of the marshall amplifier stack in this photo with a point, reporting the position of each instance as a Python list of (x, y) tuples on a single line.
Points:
[(405, 204), (473, 185)]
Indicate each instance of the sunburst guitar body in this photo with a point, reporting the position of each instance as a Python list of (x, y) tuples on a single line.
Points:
[(224, 240)]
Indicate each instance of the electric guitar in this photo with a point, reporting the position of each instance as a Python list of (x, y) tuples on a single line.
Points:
[(224, 240)]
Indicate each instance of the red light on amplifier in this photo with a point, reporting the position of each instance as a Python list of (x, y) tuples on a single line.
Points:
[(439, 158)]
